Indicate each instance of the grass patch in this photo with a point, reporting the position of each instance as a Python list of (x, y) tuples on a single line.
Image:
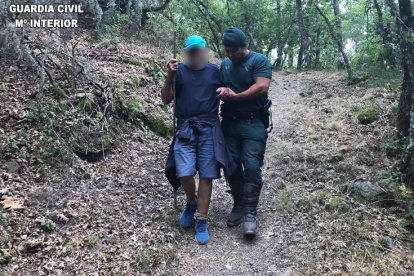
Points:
[(381, 77), (284, 201)]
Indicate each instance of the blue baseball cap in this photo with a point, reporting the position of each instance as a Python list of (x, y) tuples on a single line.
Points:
[(195, 42)]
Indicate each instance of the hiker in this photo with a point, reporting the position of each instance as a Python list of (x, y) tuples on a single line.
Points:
[(245, 114), (199, 144)]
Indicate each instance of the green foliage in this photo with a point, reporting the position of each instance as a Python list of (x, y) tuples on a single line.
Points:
[(410, 214), (356, 108), (43, 115), (160, 127), (111, 32), (395, 109), (131, 108), (47, 226), (85, 105), (383, 77), (148, 259), (354, 219), (395, 145)]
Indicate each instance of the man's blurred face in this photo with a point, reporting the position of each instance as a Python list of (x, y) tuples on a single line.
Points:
[(196, 58), (236, 55)]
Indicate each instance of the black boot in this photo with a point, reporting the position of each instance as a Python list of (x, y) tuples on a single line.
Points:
[(237, 213), (251, 200)]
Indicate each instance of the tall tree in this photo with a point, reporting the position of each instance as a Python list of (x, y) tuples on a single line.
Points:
[(385, 32), (318, 44), (278, 62), (250, 27), (304, 38), (140, 15), (402, 18), (207, 17), (337, 40), (338, 23), (407, 46)]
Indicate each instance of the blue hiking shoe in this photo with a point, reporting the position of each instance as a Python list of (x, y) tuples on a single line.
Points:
[(187, 217), (202, 236)]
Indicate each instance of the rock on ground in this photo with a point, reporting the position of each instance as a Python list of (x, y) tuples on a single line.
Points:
[(365, 191)]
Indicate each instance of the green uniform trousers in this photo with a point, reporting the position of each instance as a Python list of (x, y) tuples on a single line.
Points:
[(246, 140)]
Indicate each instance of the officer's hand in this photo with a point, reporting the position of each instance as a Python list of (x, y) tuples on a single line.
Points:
[(226, 94), (222, 91), (172, 67)]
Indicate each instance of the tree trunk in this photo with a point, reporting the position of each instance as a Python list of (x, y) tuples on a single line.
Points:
[(406, 16), (338, 23), (136, 18), (338, 41), (385, 32), (212, 16), (290, 62), (318, 45), (250, 28), (108, 15), (204, 13), (405, 101), (300, 58), (140, 16), (278, 61), (303, 37)]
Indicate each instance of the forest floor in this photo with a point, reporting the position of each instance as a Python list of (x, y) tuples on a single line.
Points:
[(116, 216)]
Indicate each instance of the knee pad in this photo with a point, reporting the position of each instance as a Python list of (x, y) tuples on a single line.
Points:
[(252, 171)]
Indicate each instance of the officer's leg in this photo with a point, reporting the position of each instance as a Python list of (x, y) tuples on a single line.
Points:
[(236, 180), (252, 159)]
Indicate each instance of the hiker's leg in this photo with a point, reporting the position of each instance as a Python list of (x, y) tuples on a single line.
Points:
[(205, 188), (208, 169), (203, 202), (188, 184), (185, 153)]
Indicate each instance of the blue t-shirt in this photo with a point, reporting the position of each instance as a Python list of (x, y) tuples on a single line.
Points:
[(240, 77), (196, 90)]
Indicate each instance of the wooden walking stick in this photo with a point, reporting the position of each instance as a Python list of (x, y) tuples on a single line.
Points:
[(174, 108)]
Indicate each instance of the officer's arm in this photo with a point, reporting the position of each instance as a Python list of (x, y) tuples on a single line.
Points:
[(260, 87)]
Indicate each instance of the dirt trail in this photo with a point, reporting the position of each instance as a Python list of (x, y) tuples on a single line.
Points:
[(228, 253)]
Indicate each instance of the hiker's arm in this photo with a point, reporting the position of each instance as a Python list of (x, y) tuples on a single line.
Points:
[(260, 87), (167, 94)]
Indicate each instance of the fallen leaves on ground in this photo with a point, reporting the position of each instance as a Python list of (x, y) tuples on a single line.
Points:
[(11, 203)]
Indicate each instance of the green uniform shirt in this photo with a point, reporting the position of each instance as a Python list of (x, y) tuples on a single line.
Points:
[(240, 77)]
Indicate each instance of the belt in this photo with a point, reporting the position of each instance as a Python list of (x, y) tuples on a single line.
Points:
[(245, 115)]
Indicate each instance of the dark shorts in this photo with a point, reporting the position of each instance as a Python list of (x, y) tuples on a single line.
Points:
[(196, 153)]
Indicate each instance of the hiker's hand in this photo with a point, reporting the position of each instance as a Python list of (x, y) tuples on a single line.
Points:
[(172, 67), (226, 94)]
